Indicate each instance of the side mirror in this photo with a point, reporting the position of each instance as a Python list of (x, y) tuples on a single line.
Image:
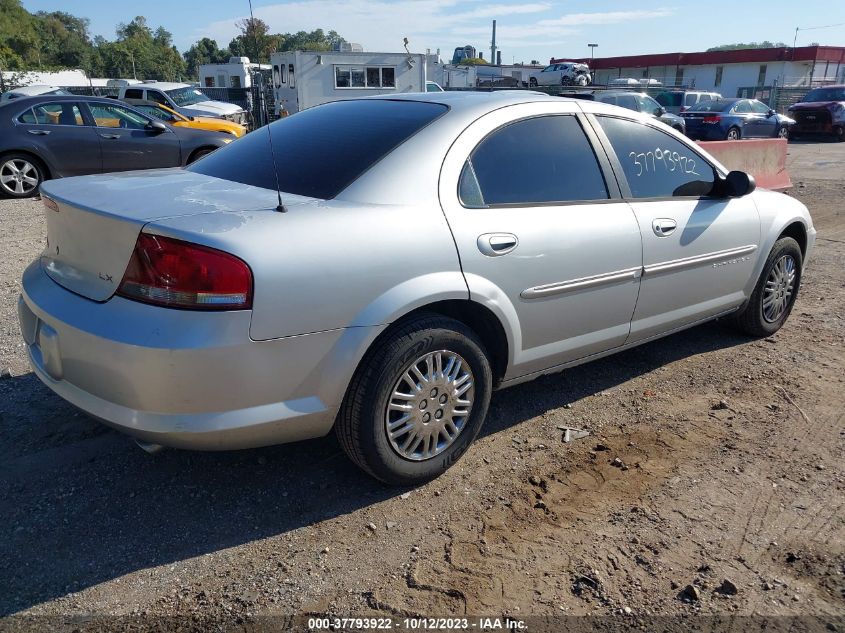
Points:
[(157, 127), (771, 112), (661, 111), (737, 184)]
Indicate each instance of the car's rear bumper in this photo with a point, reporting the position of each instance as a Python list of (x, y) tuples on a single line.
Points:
[(177, 378)]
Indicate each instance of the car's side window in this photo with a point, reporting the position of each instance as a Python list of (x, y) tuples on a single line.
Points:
[(657, 165), (742, 107), (649, 105), (133, 93), (533, 161), (64, 113), (116, 116), (758, 107), (155, 95), (629, 102)]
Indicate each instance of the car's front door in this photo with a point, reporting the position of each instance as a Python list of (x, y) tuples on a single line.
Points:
[(542, 238), (58, 133), (698, 251), (764, 121), (127, 141)]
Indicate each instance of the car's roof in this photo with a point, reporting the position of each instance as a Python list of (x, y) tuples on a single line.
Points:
[(33, 90), (161, 85), (614, 93)]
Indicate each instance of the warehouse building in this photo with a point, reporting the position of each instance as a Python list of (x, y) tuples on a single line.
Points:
[(727, 71)]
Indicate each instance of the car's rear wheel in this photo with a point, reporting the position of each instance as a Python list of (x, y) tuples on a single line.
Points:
[(733, 134), (417, 401), (566, 81), (532, 82), (839, 133), (776, 290), (20, 175)]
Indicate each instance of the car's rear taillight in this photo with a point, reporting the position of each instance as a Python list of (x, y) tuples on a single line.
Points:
[(712, 119), (176, 274)]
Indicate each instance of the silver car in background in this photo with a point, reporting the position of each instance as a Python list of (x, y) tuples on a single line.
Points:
[(424, 250)]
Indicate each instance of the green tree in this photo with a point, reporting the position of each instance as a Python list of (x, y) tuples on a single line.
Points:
[(64, 41), (205, 51), (254, 41), (473, 61), (19, 42), (735, 47)]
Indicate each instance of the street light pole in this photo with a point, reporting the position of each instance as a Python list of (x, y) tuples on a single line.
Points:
[(593, 48)]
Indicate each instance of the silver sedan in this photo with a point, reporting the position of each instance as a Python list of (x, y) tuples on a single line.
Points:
[(379, 266)]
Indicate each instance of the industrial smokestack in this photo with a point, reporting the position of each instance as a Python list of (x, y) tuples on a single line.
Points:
[(493, 45)]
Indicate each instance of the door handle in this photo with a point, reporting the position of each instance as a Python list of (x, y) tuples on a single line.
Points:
[(39, 132), (663, 226), (110, 136), (496, 244)]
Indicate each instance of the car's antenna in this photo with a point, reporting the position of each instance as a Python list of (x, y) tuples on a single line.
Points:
[(281, 206)]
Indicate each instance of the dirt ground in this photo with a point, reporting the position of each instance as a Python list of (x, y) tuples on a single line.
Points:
[(733, 485)]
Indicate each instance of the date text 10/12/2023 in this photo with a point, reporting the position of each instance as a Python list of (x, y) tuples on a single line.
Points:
[(416, 624)]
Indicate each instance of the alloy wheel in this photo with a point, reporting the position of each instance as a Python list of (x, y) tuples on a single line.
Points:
[(18, 176), (780, 286), (429, 405), (783, 132)]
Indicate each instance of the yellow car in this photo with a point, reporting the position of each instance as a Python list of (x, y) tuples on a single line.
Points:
[(172, 117)]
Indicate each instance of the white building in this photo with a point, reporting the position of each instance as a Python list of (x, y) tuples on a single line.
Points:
[(236, 74), (303, 79), (728, 71)]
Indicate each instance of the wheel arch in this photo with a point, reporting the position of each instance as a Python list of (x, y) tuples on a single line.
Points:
[(797, 231)]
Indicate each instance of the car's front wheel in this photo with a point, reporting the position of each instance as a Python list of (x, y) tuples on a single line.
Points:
[(839, 133), (532, 82), (20, 175), (775, 292), (417, 401), (783, 132)]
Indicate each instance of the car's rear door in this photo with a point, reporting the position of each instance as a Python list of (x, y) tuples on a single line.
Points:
[(127, 142), (58, 133), (541, 234), (698, 251)]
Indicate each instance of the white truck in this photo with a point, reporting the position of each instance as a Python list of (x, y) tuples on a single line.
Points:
[(185, 99), (237, 73), (303, 79)]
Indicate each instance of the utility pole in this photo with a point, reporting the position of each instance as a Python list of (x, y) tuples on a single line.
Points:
[(593, 48), (132, 57), (493, 45)]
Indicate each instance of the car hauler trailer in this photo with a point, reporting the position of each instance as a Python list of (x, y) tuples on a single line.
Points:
[(303, 79)]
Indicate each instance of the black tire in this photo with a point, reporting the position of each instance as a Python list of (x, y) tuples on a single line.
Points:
[(839, 133), (566, 81), (361, 426), (204, 151), (751, 318), (35, 170), (733, 130), (782, 132), (532, 83)]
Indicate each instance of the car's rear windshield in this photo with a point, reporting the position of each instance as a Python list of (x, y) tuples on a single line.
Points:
[(710, 106), (824, 94), (669, 99), (321, 151)]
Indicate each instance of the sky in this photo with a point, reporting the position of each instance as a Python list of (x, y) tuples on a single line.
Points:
[(531, 30)]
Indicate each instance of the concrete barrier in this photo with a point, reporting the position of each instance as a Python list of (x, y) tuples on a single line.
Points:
[(763, 158)]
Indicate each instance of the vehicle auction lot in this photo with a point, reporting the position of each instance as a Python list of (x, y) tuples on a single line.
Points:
[(731, 449)]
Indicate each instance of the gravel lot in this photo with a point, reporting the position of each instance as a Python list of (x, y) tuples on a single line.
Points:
[(734, 451)]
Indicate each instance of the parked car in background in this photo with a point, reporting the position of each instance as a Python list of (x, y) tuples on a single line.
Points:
[(186, 100), (733, 119), (677, 101), (563, 74), (433, 86), (641, 102), (632, 82), (55, 136), (163, 113), (512, 241), (821, 111), (31, 91)]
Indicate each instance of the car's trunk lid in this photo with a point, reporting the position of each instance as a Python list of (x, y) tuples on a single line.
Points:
[(93, 221)]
